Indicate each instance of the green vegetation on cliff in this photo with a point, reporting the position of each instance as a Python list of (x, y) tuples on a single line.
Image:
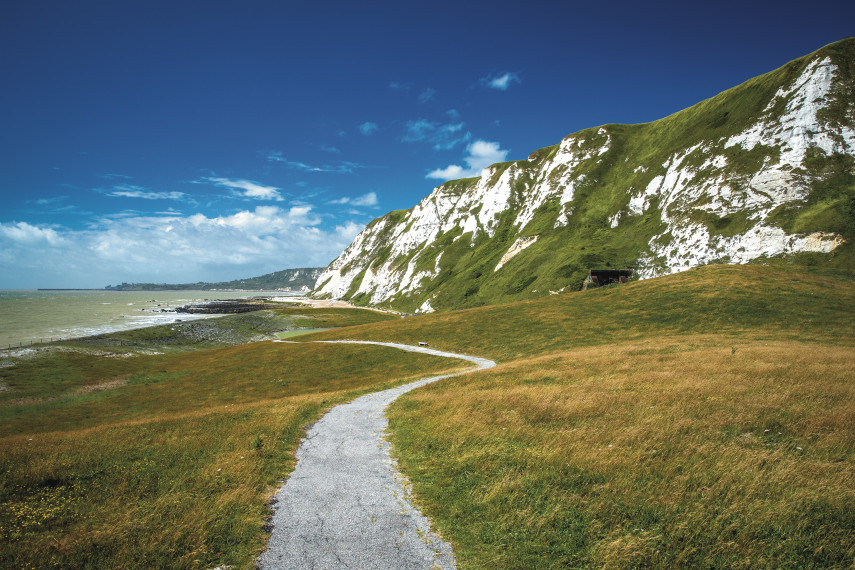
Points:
[(720, 182)]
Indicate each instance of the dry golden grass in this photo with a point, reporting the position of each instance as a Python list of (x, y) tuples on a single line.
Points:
[(700, 420), (675, 451), (174, 464)]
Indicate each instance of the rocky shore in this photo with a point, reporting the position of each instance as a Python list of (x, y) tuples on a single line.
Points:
[(228, 306)]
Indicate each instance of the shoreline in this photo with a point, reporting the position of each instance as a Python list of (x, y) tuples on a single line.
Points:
[(153, 312), (33, 318)]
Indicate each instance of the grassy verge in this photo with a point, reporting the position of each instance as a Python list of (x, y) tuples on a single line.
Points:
[(165, 460), (702, 419)]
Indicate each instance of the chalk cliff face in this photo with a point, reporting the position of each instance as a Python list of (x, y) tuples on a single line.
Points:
[(762, 172)]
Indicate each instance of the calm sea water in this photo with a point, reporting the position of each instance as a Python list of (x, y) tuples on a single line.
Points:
[(31, 316)]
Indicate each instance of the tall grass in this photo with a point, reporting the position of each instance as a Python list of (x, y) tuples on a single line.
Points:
[(691, 451), (701, 419), (173, 462), (627, 427)]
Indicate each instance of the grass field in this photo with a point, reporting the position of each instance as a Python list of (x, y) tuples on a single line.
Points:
[(703, 419), (699, 420), (154, 461), (691, 451)]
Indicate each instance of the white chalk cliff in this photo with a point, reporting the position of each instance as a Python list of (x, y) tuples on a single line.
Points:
[(757, 172)]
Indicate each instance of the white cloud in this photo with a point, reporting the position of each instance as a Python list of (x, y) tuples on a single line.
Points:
[(500, 82), (443, 136), (348, 231), (249, 188), (169, 248), (367, 128), (369, 199), (24, 233), (416, 131), (401, 86), (481, 154), (277, 157), (343, 167), (427, 95), (450, 172), (130, 191), (49, 201)]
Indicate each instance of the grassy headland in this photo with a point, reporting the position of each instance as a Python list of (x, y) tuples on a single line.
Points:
[(699, 419), (112, 458)]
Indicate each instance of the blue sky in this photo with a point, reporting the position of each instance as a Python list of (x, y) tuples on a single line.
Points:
[(183, 141)]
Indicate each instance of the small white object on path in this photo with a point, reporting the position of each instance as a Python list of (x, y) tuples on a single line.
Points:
[(345, 505)]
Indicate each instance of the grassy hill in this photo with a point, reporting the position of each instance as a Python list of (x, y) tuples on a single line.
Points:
[(289, 279), (702, 419), (663, 196)]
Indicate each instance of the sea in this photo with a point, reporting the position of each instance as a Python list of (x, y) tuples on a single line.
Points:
[(28, 317)]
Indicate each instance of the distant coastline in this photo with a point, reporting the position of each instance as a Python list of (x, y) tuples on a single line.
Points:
[(300, 280), (60, 289)]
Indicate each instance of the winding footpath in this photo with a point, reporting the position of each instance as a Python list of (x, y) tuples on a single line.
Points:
[(345, 505)]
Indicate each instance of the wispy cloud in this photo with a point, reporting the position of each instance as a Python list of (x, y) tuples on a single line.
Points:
[(367, 128), (329, 148), (401, 85), (480, 155), (500, 81), (427, 95), (131, 191), (49, 201), (369, 199), (442, 136), (342, 167), (247, 188)]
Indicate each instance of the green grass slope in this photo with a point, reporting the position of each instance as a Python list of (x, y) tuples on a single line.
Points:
[(702, 419), (733, 301), (699, 419), (604, 184), (154, 453)]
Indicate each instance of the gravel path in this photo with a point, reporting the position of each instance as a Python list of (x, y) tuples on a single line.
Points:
[(345, 505)]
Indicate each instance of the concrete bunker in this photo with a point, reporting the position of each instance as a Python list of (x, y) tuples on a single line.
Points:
[(601, 277)]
